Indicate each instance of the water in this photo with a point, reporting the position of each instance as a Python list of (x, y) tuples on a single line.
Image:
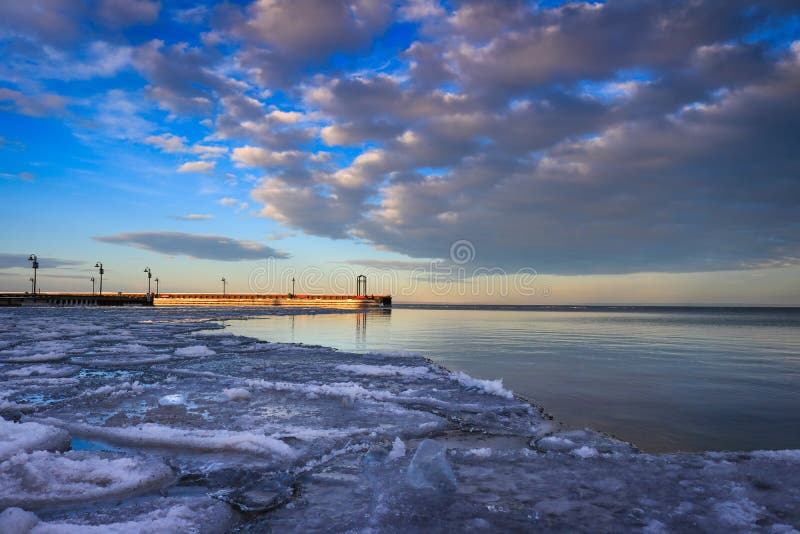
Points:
[(665, 379)]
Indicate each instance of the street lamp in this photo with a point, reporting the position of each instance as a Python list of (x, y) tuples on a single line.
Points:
[(156, 280), (149, 276), (99, 265), (35, 261), (92, 279), (32, 281), (293, 287), (223, 284)]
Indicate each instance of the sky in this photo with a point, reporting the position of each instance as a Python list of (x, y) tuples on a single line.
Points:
[(627, 151)]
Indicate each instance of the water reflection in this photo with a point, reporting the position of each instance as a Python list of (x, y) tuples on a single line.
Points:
[(666, 381)]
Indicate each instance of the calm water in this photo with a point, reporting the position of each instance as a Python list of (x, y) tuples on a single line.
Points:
[(664, 379)]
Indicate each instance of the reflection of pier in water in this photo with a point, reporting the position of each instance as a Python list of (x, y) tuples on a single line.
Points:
[(299, 332), (361, 330)]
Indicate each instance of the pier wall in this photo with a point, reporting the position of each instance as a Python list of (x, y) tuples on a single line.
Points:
[(196, 299)]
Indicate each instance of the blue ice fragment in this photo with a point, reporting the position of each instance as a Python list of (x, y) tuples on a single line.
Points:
[(429, 468)]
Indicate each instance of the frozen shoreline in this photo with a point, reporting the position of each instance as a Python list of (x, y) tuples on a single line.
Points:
[(191, 429)]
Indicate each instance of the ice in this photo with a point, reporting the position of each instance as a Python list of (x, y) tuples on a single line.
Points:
[(492, 387), (17, 521), (28, 437), (177, 426), (45, 479), (51, 371), (585, 452), (169, 515), (385, 370), (482, 452), (429, 468), (52, 356), (398, 449), (195, 350), (237, 394), (160, 436)]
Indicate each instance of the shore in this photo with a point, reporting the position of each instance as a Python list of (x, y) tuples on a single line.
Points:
[(153, 419)]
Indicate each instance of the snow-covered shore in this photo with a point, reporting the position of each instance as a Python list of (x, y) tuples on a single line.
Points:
[(141, 420)]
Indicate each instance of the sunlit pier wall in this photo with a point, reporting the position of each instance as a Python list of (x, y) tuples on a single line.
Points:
[(196, 299)]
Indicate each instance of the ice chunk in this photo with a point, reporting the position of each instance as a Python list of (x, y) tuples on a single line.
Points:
[(237, 394), (17, 521), (28, 437), (43, 370), (398, 449), (52, 356), (483, 452), (585, 452), (174, 399), (200, 440), (193, 514), (555, 443), (385, 370), (122, 362), (195, 351), (491, 387), (429, 468), (42, 479)]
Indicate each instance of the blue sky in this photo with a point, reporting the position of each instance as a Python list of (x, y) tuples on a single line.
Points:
[(621, 151)]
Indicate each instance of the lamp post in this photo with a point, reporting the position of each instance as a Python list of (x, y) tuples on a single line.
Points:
[(35, 263), (149, 276), (31, 279), (224, 282), (156, 281), (99, 265), (293, 287), (92, 279)]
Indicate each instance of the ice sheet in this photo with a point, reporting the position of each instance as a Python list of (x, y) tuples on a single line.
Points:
[(178, 426)]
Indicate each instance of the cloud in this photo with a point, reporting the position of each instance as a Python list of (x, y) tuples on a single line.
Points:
[(24, 176), (11, 261), (228, 201), (529, 128), (194, 217), (173, 144), (209, 247), (396, 265), (252, 156), (197, 166), (124, 13), (35, 105)]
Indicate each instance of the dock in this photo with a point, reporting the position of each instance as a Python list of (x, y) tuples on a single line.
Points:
[(196, 299)]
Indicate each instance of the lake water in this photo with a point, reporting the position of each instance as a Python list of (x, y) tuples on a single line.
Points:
[(666, 379)]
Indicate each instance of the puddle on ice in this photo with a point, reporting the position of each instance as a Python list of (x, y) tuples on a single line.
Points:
[(151, 424)]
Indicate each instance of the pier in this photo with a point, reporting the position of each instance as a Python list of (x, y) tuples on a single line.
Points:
[(196, 299)]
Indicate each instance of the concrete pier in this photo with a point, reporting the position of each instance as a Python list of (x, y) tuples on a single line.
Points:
[(197, 299)]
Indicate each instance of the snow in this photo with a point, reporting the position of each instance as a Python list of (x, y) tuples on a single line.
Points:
[(178, 426), (201, 515), (28, 437), (483, 452), (491, 387), (45, 479)]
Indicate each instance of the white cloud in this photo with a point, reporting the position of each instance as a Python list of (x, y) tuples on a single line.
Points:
[(197, 166)]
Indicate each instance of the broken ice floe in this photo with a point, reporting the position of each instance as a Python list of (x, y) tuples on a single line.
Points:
[(29, 437), (176, 426)]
